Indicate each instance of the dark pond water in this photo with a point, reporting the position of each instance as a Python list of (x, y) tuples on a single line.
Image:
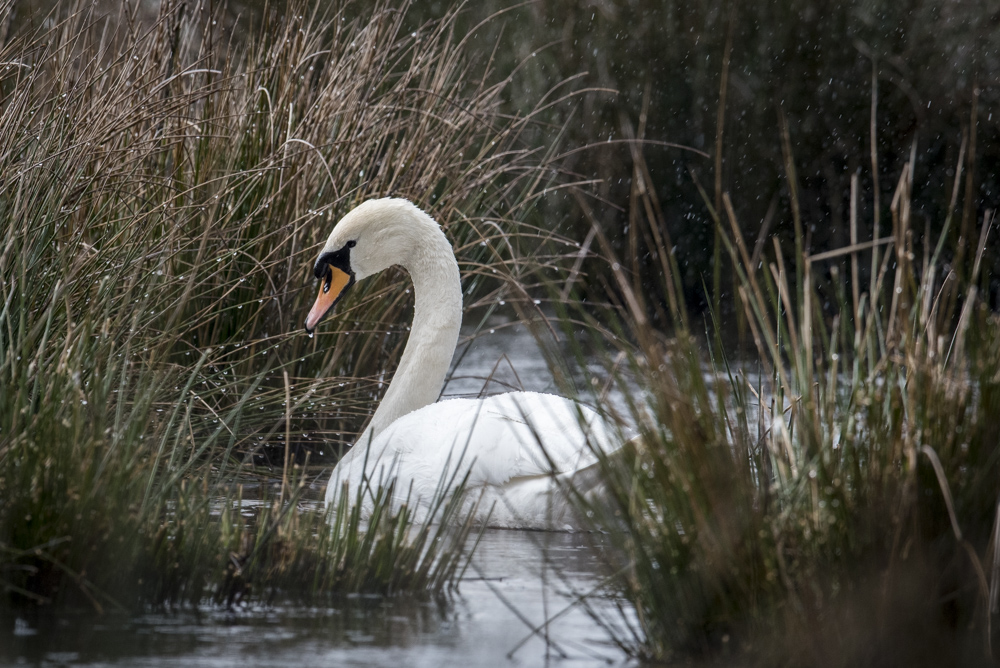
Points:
[(517, 580)]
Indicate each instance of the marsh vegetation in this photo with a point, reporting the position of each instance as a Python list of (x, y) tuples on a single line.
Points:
[(163, 192), (830, 497)]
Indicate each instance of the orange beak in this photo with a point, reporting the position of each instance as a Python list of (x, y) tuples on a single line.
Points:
[(335, 283)]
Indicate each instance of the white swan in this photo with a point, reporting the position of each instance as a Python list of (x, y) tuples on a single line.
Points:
[(513, 446)]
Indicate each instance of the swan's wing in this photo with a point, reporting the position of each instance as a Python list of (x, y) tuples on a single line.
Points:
[(542, 433), (497, 439)]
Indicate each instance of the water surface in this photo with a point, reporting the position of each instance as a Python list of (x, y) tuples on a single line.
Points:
[(517, 579)]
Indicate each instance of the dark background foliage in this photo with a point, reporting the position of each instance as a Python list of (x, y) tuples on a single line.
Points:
[(935, 70)]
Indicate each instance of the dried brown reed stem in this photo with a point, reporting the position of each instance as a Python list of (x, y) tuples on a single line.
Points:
[(719, 527)]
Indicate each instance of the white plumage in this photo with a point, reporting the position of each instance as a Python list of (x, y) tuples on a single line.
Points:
[(517, 448), (509, 444)]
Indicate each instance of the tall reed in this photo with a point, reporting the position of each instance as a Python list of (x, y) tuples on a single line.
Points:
[(163, 194), (829, 496)]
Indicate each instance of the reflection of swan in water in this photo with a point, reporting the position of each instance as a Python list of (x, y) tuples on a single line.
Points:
[(418, 439)]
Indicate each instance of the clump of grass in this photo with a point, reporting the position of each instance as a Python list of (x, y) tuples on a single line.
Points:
[(830, 498), (163, 193), (386, 553)]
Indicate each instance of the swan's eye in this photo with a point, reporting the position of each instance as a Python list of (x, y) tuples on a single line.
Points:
[(352, 243)]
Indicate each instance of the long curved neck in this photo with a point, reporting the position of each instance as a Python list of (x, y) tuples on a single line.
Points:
[(437, 318)]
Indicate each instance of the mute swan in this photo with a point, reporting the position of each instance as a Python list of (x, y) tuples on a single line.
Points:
[(421, 441)]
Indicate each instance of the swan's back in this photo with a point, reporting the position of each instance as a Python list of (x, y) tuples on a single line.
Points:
[(509, 444)]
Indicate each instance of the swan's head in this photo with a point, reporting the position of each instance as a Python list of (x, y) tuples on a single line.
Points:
[(373, 236)]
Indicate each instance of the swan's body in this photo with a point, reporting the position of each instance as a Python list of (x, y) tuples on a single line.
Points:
[(496, 442), (517, 448)]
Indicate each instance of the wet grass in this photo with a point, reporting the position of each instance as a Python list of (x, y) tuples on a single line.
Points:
[(827, 495), (163, 193)]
